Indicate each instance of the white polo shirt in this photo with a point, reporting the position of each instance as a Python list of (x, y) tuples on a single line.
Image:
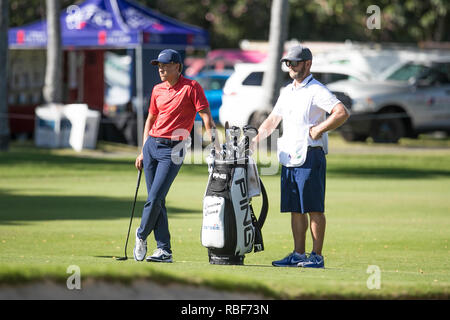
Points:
[(302, 107)]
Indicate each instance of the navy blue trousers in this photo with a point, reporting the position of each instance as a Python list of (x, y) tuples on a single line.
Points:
[(162, 163)]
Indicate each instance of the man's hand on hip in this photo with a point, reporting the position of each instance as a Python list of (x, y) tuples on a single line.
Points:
[(315, 133)]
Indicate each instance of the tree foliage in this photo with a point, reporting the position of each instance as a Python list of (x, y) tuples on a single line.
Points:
[(230, 21), (24, 12)]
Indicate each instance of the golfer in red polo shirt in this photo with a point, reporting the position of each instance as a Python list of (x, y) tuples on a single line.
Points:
[(173, 106)]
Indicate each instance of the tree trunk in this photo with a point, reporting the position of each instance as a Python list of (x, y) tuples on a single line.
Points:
[(440, 29), (53, 73), (278, 33), (4, 121)]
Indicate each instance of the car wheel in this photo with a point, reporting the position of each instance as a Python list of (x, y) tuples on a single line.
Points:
[(258, 118), (387, 130)]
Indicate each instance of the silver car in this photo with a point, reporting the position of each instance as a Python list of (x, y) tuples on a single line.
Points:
[(413, 99)]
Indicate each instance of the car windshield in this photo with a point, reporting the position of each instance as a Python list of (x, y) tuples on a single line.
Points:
[(211, 83), (328, 77), (407, 72)]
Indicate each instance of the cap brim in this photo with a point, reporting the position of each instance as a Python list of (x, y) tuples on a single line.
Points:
[(155, 62), (290, 59)]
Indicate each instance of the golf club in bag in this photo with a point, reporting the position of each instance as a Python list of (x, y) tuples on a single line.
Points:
[(230, 228), (132, 214)]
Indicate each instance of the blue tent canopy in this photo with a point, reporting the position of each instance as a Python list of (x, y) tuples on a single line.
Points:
[(111, 24), (117, 24)]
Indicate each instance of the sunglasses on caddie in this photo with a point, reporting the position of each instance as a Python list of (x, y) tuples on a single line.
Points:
[(292, 63)]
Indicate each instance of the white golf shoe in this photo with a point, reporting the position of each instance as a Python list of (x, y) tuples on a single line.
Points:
[(140, 248), (160, 255)]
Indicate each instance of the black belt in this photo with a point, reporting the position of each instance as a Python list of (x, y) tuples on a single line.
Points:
[(166, 141), (316, 147)]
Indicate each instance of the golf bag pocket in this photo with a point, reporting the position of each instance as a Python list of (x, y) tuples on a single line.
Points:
[(213, 228), (219, 180), (254, 186)]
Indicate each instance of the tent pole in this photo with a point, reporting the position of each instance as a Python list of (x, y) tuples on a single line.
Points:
[(140, 96)]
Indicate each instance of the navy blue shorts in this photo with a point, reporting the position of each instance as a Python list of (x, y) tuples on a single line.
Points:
[(303, 188)]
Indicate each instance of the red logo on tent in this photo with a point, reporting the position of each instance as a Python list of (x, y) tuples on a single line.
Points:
[(190, 38), (158, 26), (20, 36), (81, 25), (102, 37)]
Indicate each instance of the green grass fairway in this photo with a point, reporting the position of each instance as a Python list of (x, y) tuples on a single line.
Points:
[(386, 206)]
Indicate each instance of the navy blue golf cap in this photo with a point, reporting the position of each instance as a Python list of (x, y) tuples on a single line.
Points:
[(297, 53), (167, 56)]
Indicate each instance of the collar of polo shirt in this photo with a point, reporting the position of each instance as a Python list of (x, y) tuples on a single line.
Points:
[(296, 85)]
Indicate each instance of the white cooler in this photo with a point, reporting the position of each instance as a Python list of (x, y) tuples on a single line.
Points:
[(47, 129), (66, 126), (84, 127)]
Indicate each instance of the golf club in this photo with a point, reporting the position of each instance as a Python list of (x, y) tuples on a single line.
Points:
[(244, 145), (132, 214), (250, 131), (235, 132), (212, 156), (226, 148)]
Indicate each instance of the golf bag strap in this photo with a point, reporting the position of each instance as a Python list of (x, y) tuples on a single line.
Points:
[(258, 244), (265, 206), (258, 224)]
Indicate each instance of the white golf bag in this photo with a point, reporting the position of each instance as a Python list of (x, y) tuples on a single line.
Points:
[(230, 228)]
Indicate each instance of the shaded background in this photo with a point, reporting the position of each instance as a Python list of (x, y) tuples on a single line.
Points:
[(230, 21)]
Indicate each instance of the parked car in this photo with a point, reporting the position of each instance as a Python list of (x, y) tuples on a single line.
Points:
[(242, 100), (212, 83), (412, 98)]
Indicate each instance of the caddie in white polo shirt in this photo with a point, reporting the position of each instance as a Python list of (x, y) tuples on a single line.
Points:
[(303, 106)]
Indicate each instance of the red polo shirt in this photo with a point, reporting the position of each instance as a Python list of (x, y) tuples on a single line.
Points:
[(176, 108)]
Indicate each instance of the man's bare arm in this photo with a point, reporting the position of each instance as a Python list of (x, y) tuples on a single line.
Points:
[(267, 128), (337, 118)]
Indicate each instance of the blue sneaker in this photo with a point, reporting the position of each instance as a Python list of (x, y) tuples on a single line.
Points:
[(292, 260), (314, 261)]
